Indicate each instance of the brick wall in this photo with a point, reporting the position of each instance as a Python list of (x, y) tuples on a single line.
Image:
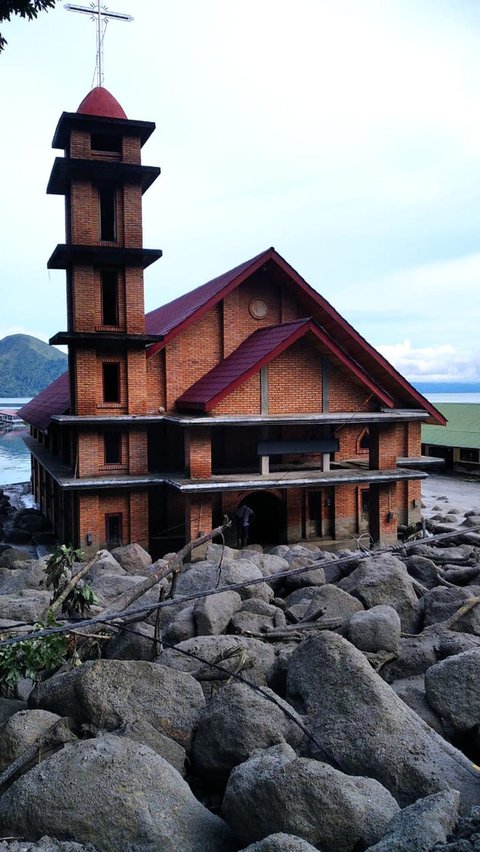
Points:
[(245, 399), (345, 394), (198, 453), (192, 354), (295, 380)]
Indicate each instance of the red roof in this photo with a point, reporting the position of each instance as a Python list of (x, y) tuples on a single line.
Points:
[(55, 399), (100, 102), (257, 351), (172, 318)]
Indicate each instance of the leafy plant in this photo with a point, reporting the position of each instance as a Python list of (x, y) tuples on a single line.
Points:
[(59, 572), (31, 657)]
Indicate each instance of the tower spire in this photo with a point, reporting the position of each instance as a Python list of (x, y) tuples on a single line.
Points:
[(101, 16)]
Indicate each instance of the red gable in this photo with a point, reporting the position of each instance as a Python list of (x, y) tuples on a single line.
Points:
[(172, 318), (55, 399), (254, 353)]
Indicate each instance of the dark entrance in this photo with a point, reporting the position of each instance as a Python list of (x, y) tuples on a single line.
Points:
[(268, 526)]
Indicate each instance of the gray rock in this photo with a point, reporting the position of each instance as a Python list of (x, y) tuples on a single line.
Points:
[(280, 842), (45, 844), (203, 576), (420, 826), (108, 586), (181, 627), (9, 706), (109, 693), (313, 577), (128, 645), (457, 555), (227, 652), (359, 722), (422, 569), (452, 687), (385, 580), (328, 600), (442, 602), (461, 575), (105, 564), (212, 614), (27, 605), (143, 732), (256, 616), (277, 791), (12, 555), (375, 629), (133, 558), (412, 691), (113, 793), (21, 731), (32, 576), (234, 723)]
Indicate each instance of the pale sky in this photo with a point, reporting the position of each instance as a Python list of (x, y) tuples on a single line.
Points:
[(346, 133)]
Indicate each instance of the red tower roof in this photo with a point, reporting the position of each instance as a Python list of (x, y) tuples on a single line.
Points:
[(100, 102)]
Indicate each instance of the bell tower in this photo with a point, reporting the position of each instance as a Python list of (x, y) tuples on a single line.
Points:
[(103, 180)]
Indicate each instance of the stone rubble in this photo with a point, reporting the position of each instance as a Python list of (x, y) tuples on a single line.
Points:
[(358, 727)]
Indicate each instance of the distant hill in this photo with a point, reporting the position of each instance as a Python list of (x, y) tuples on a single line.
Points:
[(28, 365)]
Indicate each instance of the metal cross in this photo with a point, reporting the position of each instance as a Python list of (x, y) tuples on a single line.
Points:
[(101, 16)]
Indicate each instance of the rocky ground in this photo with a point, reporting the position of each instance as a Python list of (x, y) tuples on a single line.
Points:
[(291, 700)]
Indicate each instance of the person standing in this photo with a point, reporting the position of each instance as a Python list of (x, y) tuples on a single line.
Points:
[(244, 516)]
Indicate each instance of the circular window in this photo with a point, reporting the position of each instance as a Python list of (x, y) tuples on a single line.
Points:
[(258, 308)]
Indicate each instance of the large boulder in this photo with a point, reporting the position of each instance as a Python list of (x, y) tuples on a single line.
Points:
[(108, 693), (385, 580), (440, 603), (251, 658), (28, 605), (420, 826), (375, 629), (277, 791), (23, 729), (234, 723), (113, 793), (359, 723), (212, 614), (452, 687), (133, 559), (203, 576), (10, 555), (32, 576), (280, 842), (321, 601), (45, 844)]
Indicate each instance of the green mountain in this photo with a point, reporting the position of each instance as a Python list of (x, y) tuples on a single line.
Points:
[(28, 365)]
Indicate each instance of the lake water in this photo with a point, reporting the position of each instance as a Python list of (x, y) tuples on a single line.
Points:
[(15, 458)]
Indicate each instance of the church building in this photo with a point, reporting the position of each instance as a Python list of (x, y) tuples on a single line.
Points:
[(250, 389)]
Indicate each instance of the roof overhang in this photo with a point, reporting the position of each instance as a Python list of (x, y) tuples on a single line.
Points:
[(98, 171), (69, 121), (186, 421), (67, 255)]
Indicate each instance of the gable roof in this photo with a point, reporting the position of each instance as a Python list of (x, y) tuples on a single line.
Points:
[(462, 429), (257, 351), (55, 399), (173, 317)]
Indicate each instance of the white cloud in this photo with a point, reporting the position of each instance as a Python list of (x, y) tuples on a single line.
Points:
[(433, 363)]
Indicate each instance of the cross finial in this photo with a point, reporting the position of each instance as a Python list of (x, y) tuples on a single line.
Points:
[(101, 16)]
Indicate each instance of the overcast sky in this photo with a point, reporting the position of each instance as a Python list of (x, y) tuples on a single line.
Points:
[(346, 133)]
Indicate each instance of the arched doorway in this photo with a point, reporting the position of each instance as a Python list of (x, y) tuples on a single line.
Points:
[(268, 527)]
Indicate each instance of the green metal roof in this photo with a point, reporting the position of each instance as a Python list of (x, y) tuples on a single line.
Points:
[(462, 429)]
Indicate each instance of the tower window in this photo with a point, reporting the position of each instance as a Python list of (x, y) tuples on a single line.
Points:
[(109, 286), (112, 442), (113, 529), (104, 142), (111, 382), (107, 213)]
